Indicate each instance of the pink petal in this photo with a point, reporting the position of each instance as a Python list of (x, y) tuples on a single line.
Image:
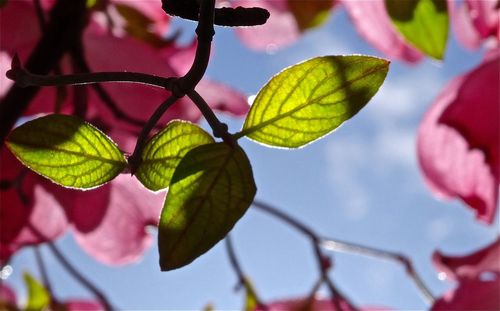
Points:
[(5, 83), (121, 237), (316, 305), (223, 98), (469, 266), (472, 294), (372, 22), (83, 305), (23, 211), (20, 28), (485, 16), (464, 30), (475, 112), (130, 55), (280, 29), (7, 295), (138, 100), (180, 58), (451, 168)]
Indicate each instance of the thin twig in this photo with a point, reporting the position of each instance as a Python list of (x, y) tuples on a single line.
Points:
[(335, 245), (219, 128), (43, 270), (242, 279), (79, 277), (205, 32), (78, 55), (67, 20), (72, 270), (135, 159), (40, 15), (341, 246), (233, 260), (321, 259), (24, 78)]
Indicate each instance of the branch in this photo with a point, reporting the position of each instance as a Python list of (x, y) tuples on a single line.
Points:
[(43, 270), (135, 159), (72, 270), (341, 246), (335, 245), (322, 261), (233, 17), (25, 78), (67, 20), (219, 128), (242, 279), (205, 32), (79, 277)]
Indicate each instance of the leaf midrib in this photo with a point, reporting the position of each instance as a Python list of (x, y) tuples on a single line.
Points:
[(203, 197), (80, 154), (254, 128)]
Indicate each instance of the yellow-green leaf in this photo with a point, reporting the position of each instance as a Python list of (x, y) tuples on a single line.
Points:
[(423, 23), (211, 189), (38, 296), (310, 14), (165, 150), (67, 150), (309, 100)]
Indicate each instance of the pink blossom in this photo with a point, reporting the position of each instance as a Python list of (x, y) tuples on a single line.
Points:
[(478, 276), (472, 294), (7, 295), (458, 140), (373, 23), (280, 30), (121, 235), (474, 21), (469, 266), (315, 304), (82, 305), (29, 214)]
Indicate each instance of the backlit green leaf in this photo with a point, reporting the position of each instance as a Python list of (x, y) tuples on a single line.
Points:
[(139, 25), (251, 300), (310, 14), (67, 150), (423, 23), (309, 100), (165, 150), (38, 296), (211, 189)]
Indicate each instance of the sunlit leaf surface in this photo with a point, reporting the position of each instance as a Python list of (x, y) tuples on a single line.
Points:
[(424, 23), (165, 150), (309, 100), (38, 297), (67, 150), (211, 189)]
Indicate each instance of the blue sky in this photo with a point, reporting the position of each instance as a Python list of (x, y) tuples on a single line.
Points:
[(359, 184)]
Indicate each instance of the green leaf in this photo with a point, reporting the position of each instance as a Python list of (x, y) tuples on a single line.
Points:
[(38, 296), (67, 150), (309, 100), (423, 23), (310, 14), (164, 151), (3, 3), (251, 300), (139, 26), (211, 189)]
